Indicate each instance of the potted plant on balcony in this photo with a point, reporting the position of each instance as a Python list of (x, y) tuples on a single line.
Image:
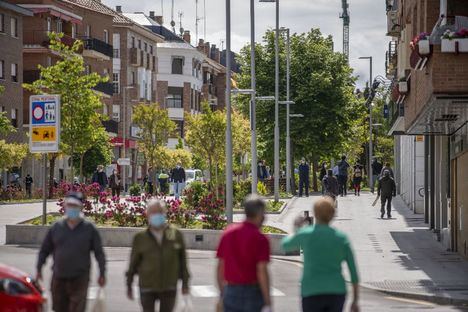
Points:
[(403, 86), (462, 39), (448, 42), (421, 44)]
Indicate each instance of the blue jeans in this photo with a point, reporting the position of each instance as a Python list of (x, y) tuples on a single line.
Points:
[(178, 189), (242, 298), (323, 303)]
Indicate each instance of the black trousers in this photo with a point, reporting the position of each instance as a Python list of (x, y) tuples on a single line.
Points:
[(167, 300), (69, 294), (342, 181), (303, 184), (386, 199), (323, 303)]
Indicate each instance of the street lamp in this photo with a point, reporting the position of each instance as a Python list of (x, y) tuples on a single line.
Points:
[(369, 168), (276, 143), (228, 150), (296, 115), (288, 139), (265, 98), (124, 134), (253, 112)]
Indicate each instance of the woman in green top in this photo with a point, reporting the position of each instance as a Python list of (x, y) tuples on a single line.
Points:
[(323, 287)]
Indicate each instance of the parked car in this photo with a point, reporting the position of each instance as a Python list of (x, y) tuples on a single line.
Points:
[(19, 292), (193, 175)]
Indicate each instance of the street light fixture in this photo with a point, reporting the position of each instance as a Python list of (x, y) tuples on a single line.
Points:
[(265, 98), (369, 168), (242, 91), (276, 136), (296, 115)]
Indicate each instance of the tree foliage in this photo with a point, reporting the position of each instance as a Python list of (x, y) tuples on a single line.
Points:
[(81, 125), (156, 128), (98, 154), (322, 87)]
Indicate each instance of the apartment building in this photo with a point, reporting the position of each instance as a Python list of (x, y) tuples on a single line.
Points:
[(428, 62), (134, 81), (179, 77), (11, 65)]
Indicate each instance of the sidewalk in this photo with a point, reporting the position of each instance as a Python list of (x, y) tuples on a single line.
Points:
[(397, 256)]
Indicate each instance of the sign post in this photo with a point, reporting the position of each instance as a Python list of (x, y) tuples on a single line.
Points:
[(44, 133)]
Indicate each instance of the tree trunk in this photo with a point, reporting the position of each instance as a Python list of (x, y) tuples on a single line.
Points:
[(81, 167), (314, 174), (52, 158), (72, 169)]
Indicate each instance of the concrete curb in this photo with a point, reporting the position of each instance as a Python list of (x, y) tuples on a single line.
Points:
[(286, 204), (434, 298), (33, 201)]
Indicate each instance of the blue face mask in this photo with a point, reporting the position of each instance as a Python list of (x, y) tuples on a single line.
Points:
[(157, 220), (72, 213)]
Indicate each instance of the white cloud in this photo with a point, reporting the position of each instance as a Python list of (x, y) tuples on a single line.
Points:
[(367, 29)]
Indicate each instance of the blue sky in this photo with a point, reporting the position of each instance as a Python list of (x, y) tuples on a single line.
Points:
[(367, 30)]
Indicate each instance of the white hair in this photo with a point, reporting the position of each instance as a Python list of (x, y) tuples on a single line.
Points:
[(156, 204)]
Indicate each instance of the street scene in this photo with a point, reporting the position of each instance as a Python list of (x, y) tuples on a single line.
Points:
[(237, 156)]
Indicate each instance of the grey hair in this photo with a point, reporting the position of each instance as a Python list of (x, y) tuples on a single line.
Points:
[(156, 203), (254, 205)]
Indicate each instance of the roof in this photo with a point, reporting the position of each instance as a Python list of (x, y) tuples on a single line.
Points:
[(142, 19), (15, 8)]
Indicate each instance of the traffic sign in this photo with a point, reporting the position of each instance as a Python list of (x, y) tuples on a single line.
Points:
[(123, 161), (44, 116)]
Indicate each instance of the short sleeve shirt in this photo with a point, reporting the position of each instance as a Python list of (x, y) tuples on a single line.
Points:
[(242, 247)]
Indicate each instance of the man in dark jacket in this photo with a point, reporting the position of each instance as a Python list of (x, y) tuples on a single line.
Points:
[(71, 242), (262, 173), (100, 178), (386, 190), (343, 176), (304, 171), (376, 171), (28, 181), (331, 185), (178, 178)]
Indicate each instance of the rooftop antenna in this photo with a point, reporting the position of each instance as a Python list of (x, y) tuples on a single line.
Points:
[(204, 19), (162, 8), (172, 17), (181, 29), (222, 45)]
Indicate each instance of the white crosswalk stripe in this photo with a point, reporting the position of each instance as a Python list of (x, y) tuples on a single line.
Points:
[(197, 291)]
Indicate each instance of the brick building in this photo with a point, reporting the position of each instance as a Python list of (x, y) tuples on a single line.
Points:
[(430, 110), (11, 64)]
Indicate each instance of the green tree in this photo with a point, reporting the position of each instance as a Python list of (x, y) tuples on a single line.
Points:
[(81, 125), (156, 128), (322, 87)]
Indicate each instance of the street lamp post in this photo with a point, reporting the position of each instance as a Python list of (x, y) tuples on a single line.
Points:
[(369, 168), (253, 126), (124, 135), (229, 195), (288, 138)]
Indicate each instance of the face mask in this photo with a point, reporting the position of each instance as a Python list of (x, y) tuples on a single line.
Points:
[(157, 220), (72, 213), (178, 167)]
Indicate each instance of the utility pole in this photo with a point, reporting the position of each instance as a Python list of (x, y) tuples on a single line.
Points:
[(276, 138), (369, 168), (229, 206), (253, 126), (288, 138)]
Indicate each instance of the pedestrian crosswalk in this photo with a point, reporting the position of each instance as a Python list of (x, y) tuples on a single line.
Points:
[(196, 291)]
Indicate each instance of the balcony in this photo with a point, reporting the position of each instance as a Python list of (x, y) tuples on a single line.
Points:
[(105, 87), (391, 60), (393, 22), (40, 39), (98, 49), (29, 76), (212, 89)]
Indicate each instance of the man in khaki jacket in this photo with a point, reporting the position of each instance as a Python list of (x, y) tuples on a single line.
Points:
[(159, 258)]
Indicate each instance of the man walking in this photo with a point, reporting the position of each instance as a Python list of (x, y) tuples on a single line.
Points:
[(178, 178), (262, 173), (389, 168), (304, 171), (243, 255), (331, 185), (343, 176), (115, 183), (386, 190), (71, 242), (159, 258), (28, 181), (376, 171), (100, 178)]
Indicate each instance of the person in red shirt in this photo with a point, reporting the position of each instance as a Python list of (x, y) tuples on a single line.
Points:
[(243, 256)]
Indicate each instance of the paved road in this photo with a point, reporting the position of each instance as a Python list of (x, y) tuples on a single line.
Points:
[(285, 276)]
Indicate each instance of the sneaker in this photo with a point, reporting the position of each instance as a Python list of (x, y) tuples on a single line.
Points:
[(389, 216), (382, 215)]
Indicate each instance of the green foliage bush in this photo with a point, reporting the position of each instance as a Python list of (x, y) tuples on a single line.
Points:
[(194, 193), (262, 189), (135, 190), (241, 190)]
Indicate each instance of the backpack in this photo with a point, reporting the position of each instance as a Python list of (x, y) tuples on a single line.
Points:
[(358, 173)]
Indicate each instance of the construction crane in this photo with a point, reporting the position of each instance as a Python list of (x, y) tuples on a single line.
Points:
[(345, 17)]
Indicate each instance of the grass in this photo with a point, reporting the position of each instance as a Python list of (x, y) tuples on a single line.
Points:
[(273, 206), (51, 218)]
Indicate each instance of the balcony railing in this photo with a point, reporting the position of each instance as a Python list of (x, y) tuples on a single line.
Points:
[(41, 38), (391, 60), (29, 76), (173, 103), (98, 46), (105, 87)]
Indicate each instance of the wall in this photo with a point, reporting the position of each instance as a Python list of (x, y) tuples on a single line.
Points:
[(462, 201)]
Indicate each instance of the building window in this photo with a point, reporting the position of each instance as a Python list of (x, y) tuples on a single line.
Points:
[(142, 58), (2, 23), (14, 72), (14, 27), (73, 31), (134, 78), (116, 82), (116, 53), (179, 127), (2, 69), (177, 65), (49, 24), (133, 42), (88, 31), (59, 26), (106, 36), (148, 61), (146, 47), (139, 44), (174, 97), (151, 49), (154, 63), (14, 117)]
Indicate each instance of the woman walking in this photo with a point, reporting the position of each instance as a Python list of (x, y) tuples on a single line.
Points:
[(323, 173), (115, 183), (323, 287), (357, 179)]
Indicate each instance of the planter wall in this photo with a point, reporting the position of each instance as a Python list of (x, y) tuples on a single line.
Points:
[(123, 236), (424, 47), (447, 46), (463, 45)]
